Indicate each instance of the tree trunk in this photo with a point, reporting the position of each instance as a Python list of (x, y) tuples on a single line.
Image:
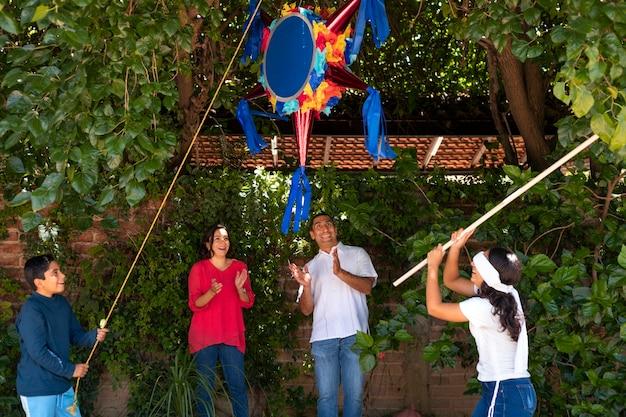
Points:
[(522, 85), (510, 156), (194, 87)]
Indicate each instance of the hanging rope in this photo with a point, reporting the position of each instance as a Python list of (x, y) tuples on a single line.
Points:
[(103, 322)]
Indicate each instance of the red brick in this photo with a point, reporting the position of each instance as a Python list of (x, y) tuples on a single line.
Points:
[(85, 237), (11, 247), (99, 236), (14, 234), (10, 260)]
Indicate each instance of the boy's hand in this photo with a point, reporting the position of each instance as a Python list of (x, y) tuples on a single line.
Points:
[(101, 334), (80, 370)]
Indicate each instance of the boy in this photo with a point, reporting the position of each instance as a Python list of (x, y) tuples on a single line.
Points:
[(47, 327)]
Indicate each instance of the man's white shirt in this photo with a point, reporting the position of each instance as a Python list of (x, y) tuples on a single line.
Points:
[(338, 309)]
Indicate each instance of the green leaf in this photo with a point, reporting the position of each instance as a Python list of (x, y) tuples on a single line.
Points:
[(559, 35), (621, 258), (403, 336), (42, 198), (135, 192), (622, 331), (16, 165), (82, 182), (512, 171), (565, 275), (364, 340), (534, 51), (583, 101), (603, 126), (532, 15), (8, 23), (106, 196), (53, 181), (22, 198), (519, 49), (581, 293), (568, 343), (541, 263), (40, 12), (171, 27), (367, 362), (615, 72), (618, 140), (118, 87), (31, 220), (559, 92), (12, 77)]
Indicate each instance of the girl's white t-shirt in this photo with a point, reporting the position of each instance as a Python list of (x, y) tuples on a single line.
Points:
[(496, 349)]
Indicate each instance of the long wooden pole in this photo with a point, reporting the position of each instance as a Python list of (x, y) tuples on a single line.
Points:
[(505, 202)]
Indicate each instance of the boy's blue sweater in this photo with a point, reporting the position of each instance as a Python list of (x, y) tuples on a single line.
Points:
[(47, 327)]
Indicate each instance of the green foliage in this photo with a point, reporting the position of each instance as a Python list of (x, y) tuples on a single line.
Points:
[(176, 395), (92, 97), (582, 42), (590, 79), (9, 347)]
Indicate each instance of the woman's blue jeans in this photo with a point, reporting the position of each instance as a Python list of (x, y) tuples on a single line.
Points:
[(515, 398), (335, 364), (232, 366)]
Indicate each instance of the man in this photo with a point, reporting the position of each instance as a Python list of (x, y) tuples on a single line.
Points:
[(333, 286)]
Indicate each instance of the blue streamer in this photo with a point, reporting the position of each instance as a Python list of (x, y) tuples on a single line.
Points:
[(254, 140), (252, 48), (374, 127), (298, 203), (372, 11)]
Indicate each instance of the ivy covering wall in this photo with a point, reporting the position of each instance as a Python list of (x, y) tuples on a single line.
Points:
[(569, 230)]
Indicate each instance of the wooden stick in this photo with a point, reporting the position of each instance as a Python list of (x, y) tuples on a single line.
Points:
[(505, 202)]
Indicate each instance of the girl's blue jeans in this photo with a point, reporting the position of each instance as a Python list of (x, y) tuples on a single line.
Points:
[(515, 398), (232, 366)]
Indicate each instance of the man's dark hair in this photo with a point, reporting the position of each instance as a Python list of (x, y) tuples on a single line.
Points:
[(36, 267), (320, 214)]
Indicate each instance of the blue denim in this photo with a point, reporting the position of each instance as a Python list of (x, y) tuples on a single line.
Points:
[(335, 364), (516, 398), (232, 366)]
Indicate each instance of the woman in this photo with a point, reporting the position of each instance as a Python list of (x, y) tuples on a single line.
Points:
[(496, 321), (219, 289)]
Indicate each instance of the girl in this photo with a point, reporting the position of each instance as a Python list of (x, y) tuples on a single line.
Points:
[(496, 321), (219, 289)]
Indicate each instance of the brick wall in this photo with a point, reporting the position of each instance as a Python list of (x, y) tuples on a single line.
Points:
[(401, 380), (12, 252)]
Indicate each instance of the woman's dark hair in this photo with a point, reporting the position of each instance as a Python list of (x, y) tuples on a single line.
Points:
[(206, 252), (504, 305), (36, 267)]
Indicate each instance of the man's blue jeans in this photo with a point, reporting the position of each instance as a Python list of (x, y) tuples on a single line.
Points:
[(336, 363), (515, 398), (232, 366)]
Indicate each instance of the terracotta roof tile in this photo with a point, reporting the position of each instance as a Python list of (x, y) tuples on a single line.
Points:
[(456, 153)]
